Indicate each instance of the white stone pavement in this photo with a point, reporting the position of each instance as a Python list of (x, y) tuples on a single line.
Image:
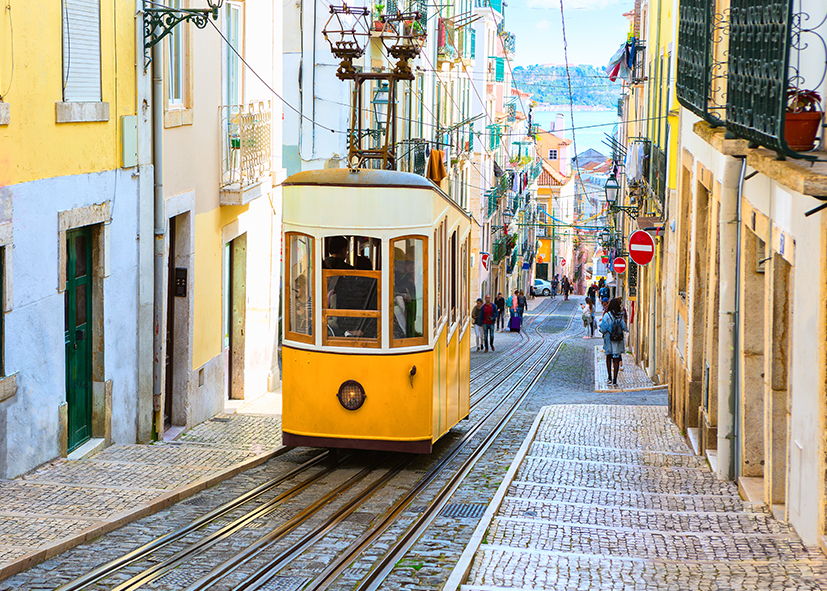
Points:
[(631, 377), (611, 497)]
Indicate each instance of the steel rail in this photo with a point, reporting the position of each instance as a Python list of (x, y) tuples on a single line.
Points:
[(279, 532), (107, 569), (161, 568), (332, 572)]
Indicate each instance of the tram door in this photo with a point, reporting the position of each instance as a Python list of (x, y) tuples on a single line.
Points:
[(236, 314)]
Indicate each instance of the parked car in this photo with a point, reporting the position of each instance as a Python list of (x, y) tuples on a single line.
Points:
[(541, 287)]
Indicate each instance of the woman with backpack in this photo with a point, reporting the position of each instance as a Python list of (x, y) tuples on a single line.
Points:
[(612, 326), (522, 303), (588, 317)]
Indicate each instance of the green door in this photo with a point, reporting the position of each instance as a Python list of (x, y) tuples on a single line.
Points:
[(78, 302)]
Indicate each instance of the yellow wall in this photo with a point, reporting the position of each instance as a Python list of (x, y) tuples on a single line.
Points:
[(208, 281), (33, 146)]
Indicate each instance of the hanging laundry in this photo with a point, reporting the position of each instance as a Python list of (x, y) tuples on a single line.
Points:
[(436, 166), (498, 172)]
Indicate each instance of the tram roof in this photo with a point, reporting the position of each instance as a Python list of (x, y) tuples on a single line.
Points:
[(344, 177)]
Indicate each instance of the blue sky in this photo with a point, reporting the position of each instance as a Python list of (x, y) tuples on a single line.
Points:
[(594, 30)]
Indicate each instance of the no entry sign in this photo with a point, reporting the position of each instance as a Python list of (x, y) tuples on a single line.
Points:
[(619, 265), (641, 247)]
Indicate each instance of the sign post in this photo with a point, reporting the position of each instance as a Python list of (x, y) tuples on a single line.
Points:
[(641, 247), (619, 265)]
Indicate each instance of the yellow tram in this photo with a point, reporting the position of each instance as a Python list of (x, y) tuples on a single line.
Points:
[(376, 349)]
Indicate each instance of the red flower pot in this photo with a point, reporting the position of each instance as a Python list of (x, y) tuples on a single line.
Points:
[(800, 129)]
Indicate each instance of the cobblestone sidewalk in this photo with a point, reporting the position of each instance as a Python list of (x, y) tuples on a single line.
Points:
[(631, 378), (65, 503), (610, 497)]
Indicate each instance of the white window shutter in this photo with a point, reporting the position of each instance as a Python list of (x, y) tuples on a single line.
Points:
[(81, 51)]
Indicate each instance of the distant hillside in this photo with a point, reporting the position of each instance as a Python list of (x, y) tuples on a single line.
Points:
[(547, 84)]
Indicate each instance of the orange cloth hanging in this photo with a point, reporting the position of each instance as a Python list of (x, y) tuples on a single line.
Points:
[(436, 166)]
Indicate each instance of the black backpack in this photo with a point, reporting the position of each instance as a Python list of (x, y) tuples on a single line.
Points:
[(616, 334)]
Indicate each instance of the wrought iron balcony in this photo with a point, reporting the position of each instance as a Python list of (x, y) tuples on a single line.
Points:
[(246, 151), (659, 173), (446, 44), (412, 155), (510, 42), (495, 4), (639, 72), (736, 65)]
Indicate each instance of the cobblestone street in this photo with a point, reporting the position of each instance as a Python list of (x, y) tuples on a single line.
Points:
[(611, 497)]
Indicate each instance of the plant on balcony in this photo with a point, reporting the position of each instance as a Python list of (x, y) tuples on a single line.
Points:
[(378, 12), (803, 119)]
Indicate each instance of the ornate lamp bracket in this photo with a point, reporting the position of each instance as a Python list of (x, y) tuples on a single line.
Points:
[(631, 210), (159, 22)]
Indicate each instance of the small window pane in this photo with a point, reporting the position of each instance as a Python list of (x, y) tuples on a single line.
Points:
[(350, 327), (176, 62), (408, 288), (80, 304), (80, 256), (300, 278), (345, 292)]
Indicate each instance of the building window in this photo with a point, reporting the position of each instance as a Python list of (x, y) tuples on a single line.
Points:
[(81, 51), (175, 81), (552, 154), (232, 74)]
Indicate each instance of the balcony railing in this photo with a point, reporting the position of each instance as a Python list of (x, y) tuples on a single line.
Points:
[(510, 43), (492, 200), (412, 155), (446, 40), (495, 4), (659, 174), (246, 151), (736, 65), (639, 72)]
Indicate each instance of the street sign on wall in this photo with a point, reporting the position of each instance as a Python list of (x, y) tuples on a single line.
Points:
[(619, 266), (641, 247)]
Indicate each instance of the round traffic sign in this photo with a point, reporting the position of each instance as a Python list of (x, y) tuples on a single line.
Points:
[(619, 266), (562, 262), (641, 247)]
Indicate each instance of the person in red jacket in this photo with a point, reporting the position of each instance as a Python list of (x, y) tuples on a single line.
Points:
[(489, 317)]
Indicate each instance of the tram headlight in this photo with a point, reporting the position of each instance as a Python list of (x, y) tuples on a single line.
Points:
[(351, 395)]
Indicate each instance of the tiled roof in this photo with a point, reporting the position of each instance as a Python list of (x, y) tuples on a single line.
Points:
[(550, 177)]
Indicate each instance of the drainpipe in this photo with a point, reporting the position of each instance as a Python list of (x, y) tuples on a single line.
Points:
[(728, 323), (159, 335)]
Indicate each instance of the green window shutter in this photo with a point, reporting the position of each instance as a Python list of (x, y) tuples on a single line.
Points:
[(473, 43)]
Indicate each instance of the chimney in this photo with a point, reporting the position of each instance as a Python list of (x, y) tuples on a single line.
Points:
[(560, 126)]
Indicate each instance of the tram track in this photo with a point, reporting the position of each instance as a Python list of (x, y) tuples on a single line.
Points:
[(270, 569), (159, 567)]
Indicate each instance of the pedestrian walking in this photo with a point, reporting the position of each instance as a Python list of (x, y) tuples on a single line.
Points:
[(499, 301), (612, 326), (515, 302), (566, 287), (625, 317), (489, 317), (522, 304), (592, 292), (476, 318), (555, 283), (588, 317)]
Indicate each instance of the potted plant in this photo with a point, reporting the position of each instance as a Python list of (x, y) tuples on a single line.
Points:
[(803, 119), (379, 10)]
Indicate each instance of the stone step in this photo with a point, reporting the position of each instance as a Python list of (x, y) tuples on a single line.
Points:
[(642, 519), (615, 455), (532, 535), (622, 477)]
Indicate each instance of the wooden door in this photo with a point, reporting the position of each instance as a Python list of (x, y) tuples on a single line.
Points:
[(78, 335)]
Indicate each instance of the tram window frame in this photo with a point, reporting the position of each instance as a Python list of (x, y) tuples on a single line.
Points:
[(311, 290), (463, 293), (335, 341), (412, 341)]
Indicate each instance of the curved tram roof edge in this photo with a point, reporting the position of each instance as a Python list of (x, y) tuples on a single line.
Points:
[(366, 177)]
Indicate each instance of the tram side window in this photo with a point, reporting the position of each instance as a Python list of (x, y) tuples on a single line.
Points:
[(408, 272), (351, 278), (452, 275), (463, 278), (300, 286)]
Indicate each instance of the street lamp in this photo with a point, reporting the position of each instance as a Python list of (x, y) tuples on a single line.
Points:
[(611, 187), (605, 236), (380, 104)]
